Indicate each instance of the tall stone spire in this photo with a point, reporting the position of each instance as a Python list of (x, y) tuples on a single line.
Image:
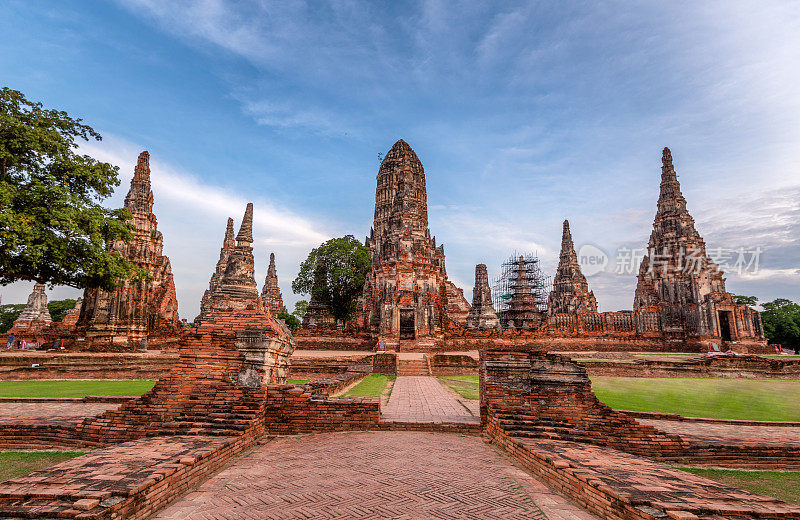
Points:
[(407, 294), (400, 196), (271, 293), (245, 235), (238, 281), (570, 294), (137, 310), (36, 308), (228, 244), (139, 200), (482, 314), (676, 269)]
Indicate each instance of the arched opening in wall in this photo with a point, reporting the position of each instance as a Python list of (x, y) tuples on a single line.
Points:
[(725, 325), (151, 322), (407, 324)]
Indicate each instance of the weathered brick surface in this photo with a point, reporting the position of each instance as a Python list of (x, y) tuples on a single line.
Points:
[(570, 294), (616, 485), (373, 475), (407, 294), (724, 366), (538, 395), (15, 365), (129, 480), (135, 311)]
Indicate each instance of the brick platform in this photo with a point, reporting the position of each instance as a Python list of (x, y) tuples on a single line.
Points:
[(373, 475), (128, 480), (617, 485)]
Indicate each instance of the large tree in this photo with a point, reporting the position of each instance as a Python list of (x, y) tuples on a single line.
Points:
[(53, 228), (340, 267), (781, 319)]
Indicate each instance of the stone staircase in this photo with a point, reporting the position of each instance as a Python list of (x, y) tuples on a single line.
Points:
[(412, 367)]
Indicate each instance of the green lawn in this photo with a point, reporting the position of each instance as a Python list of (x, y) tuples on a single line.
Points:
[(784, 485), (752, 399), (298, 381), (18, 463), (370, 386), (467, 386), (74, 388)]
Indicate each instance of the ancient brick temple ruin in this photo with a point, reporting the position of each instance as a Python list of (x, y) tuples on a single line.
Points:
[(138, 310), (228, 243), (482, 314), (271, 294), (407, 295), (317, 315), (34, 318), (679, 280), (522, 311), (570, 292)]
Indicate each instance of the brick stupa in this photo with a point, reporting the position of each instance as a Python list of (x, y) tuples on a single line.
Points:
[(570, 294), (138, 309), (228, 244), (482, 314), (407, 294), (271, 295), (679, 279)]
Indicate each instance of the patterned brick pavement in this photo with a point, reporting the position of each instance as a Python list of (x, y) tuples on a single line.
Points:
[(422, 399), (400, 475), (730, 434)]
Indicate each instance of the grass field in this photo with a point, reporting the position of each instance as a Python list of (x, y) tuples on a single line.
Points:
[(74, 388), (751, 399), (467, 386), (18, 463), (370, 386), (779, 484), (298, 381)]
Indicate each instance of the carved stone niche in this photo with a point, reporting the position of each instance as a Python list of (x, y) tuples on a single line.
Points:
[(265, 360)]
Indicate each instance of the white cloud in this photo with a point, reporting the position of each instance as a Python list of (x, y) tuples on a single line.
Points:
[(191, 215)]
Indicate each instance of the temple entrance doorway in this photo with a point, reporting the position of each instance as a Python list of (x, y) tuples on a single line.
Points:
[(725, 325), (407, 324)]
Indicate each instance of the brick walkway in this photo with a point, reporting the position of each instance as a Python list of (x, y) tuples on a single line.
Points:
[(400, 475), (421, 399), (730, 434)]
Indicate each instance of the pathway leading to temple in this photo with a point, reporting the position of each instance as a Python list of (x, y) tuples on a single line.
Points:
[(422, 399), (401, 475)]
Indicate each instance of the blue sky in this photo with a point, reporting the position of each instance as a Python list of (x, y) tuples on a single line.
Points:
[(523, 114)]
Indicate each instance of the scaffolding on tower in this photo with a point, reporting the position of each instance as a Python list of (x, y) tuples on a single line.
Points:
[(520, 292)]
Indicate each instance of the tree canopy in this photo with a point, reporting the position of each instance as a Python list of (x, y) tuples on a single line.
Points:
[(290, 319), (334, 274), (781, 320), (750, 301), (300, 309), (53, 228)]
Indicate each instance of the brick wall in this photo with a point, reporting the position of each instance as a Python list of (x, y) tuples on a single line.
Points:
[(547, 396)]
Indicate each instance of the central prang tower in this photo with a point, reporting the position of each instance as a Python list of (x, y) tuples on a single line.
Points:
[(406, 294)]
